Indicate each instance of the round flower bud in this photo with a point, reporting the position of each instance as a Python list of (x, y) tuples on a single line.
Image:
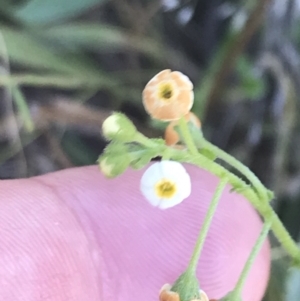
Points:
[(168, 95), (118, 127), (166, 294), (112, 167), (115, 160)]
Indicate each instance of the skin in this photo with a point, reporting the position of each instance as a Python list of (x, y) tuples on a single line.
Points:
[(74, 235)]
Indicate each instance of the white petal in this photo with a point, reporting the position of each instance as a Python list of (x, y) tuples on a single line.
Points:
[(150, 195), (168, 203), (151, 175), (172, 171)]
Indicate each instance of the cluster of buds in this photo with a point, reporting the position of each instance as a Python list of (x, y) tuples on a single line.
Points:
[(168, 96)]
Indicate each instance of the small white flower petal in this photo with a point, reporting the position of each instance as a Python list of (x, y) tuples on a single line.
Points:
[(171, 171), (169, 203), (151, 175), (150, 195)]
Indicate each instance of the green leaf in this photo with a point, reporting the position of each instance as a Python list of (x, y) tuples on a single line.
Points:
[(145, 158), (251, 86), (141, 156), (23, 109), (90, 35), (50, 11), (27, 50), (292, 287), (103, 37), (276, 290)]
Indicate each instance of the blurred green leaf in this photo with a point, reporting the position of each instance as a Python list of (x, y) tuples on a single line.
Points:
[(50, 11), (204, 88), (103, 37), (91, 35), (251, 86), (293, 288), (23, 109), (276, 289), (28, 51)]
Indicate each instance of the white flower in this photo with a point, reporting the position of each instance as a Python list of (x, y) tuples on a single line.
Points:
[(165, 184)]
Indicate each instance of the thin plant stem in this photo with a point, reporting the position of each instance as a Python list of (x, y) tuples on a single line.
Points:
[(187, 137), (264, 209), (245, 272), (205, 227), (234, 50), (259, 187), (140, 138)]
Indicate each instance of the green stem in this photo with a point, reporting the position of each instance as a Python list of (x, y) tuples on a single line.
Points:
[(264, 209), (206, 224), (140, 138), (236, 294), (281, 233), (201, 161), (258, 186), (219, 171), (187, 137)]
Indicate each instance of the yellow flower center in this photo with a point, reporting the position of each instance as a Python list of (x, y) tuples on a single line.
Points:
[(165, 91), (165, 189)]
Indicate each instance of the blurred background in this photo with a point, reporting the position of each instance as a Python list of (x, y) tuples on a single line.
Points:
[(66, 64)]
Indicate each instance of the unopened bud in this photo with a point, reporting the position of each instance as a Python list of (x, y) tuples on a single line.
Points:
[(114, 161), (118, 127)]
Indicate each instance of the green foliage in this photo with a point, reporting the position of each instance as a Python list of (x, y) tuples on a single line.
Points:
[(23, 109), (252, 86), (276, 289), (50, 11), (102, 37), (292, 285), (141, 156)]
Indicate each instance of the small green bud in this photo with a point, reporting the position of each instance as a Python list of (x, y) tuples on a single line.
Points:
[(112, 166), (115, 160), (118, 127)]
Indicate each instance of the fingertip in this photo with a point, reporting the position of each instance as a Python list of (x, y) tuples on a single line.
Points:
[(44, 252), (161, 241)]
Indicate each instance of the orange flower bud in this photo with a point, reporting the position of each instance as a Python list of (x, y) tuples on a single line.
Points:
[(171, 136), (168, 95), (167, 295)]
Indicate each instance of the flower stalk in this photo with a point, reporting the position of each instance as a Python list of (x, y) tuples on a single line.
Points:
[(236, 294), (205, 227)]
